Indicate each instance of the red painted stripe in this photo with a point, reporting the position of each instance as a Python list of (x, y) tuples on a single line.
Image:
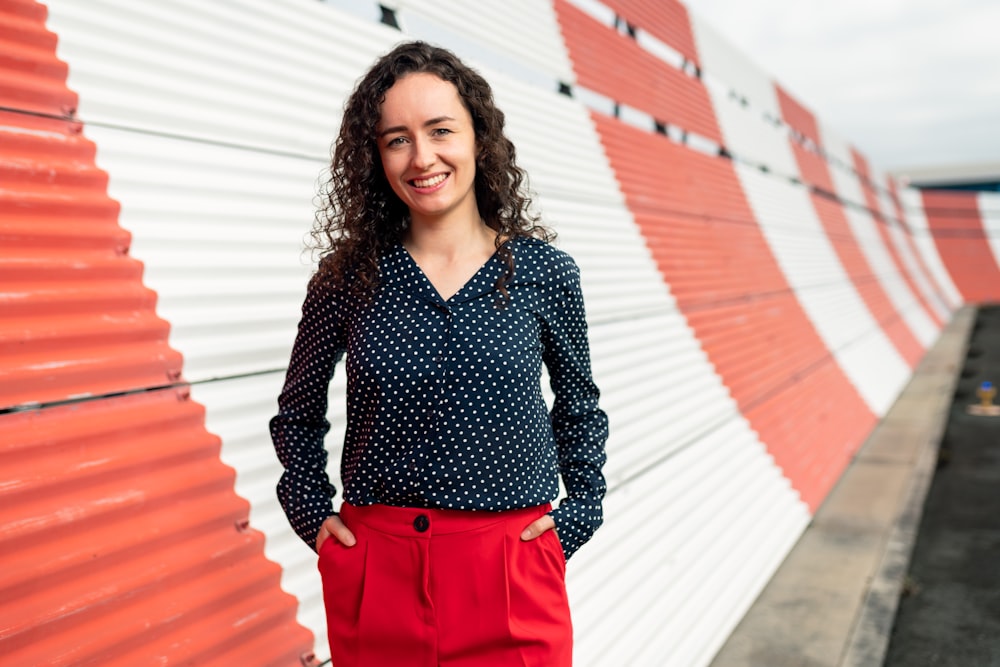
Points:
[(881, 223), (617, 67), (667, 20), (957, 227), (815, 171), (703, 236)]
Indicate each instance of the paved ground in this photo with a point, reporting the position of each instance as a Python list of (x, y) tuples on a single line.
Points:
[(950, 611), (833, 601)]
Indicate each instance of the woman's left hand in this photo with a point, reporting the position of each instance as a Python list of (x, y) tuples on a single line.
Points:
[(537, 527)]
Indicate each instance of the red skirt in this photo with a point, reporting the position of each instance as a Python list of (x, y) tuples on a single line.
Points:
[(445, 588)]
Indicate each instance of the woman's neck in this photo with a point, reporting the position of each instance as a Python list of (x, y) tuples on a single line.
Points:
[(450, 241)]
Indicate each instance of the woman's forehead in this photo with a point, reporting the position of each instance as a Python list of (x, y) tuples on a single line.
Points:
[(419, 96)]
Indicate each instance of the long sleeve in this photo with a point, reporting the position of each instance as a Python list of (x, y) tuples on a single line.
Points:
[(299, 428), (580, 426)]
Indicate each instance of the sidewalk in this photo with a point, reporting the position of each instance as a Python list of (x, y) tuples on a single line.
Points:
[(833, 601)]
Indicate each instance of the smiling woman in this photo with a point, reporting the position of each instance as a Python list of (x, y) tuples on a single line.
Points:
[(446, 299)]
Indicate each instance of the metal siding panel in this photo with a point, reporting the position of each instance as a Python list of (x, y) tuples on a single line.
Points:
[(934, 290), (815, 172), (886, 227), (32, 79), (731, 69), (808, 261), (203, 71), (872, 241), (667, 20), (228, 104), (517, 37), (962, 239), (616, 66), (989, 212), (220, 214), (661, 394), (912, 202), (220, 230), (103, 447), (903, 242), (707, 244)]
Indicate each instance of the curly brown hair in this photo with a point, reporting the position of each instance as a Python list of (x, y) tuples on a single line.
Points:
[(360, 217)]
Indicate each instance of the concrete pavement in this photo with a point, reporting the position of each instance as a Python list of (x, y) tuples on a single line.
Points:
[(833, 601)]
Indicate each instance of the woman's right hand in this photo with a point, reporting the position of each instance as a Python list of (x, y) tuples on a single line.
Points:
[(334, 527)]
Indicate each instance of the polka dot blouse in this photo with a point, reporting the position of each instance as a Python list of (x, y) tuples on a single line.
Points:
[(444, 400)]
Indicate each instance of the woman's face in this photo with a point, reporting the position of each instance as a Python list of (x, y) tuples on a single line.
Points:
[(428, 148)]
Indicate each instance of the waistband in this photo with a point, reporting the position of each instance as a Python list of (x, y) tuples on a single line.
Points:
[(426, 522)]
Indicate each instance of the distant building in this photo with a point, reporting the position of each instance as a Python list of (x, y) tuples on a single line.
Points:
[(972, 177)]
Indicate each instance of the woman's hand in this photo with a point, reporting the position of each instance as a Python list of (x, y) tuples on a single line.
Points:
[(536, 527), (334, 527)]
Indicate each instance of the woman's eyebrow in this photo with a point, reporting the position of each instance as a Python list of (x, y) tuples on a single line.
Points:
[(403, 128)]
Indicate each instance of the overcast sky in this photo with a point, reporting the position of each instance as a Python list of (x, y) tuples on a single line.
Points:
[(911, 83)]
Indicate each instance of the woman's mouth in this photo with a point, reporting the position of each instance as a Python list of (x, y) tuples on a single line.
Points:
[(424, 183)]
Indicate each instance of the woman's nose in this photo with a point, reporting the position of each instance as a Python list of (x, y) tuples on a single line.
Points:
[(423, 154)]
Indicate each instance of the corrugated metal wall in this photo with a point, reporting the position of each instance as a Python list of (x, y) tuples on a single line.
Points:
[(757, 296), (123, 541)]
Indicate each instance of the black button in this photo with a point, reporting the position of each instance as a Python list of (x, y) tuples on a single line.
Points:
[(421, 523)]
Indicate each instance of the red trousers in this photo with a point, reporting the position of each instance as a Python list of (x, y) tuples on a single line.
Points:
[(445, 588)]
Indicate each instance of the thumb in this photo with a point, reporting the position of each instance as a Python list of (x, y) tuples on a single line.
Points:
[(537, 527)]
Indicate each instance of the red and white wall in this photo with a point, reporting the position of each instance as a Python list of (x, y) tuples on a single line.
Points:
[(758, 295)]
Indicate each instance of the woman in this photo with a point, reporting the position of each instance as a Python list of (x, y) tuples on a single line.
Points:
[(446, 298)]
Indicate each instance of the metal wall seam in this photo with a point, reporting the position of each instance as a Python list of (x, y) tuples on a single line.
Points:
[(799, 244), (962, 241)]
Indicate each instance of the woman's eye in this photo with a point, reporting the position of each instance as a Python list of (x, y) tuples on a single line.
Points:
[(441, 131), (395, 141)]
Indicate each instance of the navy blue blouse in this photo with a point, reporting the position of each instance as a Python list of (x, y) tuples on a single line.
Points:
[(444, 401)]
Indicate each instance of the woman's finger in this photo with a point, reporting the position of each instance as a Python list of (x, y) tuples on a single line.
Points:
[(537, 527), (333, 526)]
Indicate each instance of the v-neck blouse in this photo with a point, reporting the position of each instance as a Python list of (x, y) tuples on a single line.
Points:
[(444, 400)]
